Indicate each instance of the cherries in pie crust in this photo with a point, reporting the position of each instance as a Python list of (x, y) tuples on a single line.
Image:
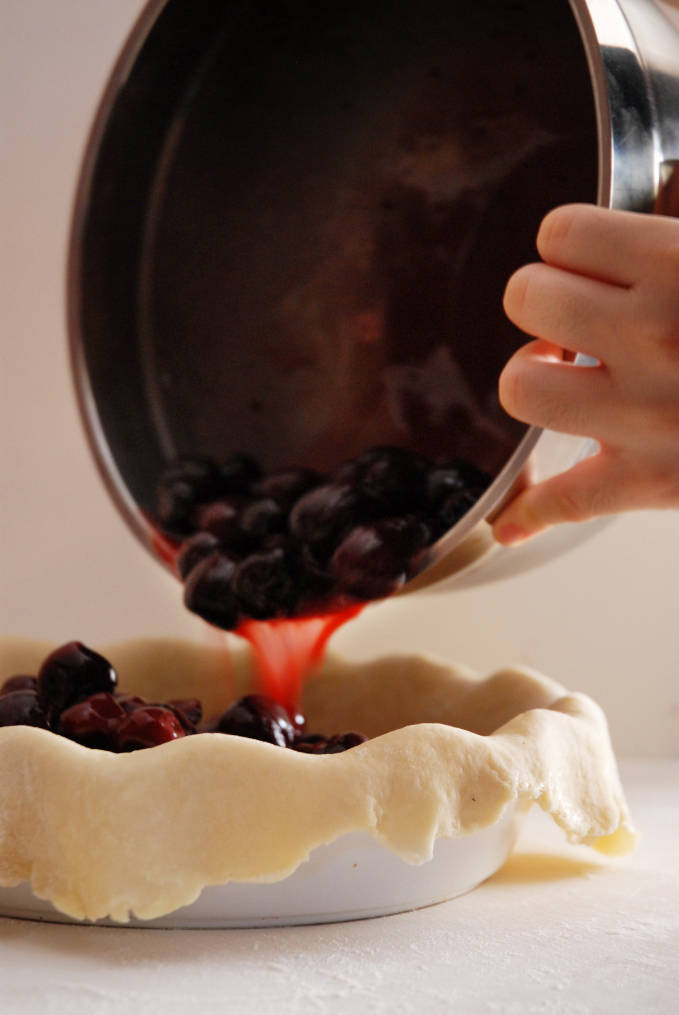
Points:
[(75, 696)]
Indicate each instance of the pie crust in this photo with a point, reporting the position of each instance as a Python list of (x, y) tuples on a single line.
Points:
[(104, 835)]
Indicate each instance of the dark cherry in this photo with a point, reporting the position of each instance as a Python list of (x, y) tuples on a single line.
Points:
[(148, 727), (184, 482), (291, 541), (259, 718), (20, 682), (22, 708), (345, 472), (222, 519), (316, 577), (279, 541), (262, 518), (175, 502), (298, 721), (409, 533), (455, 506), (392, 479), (429, 527), (238, 473), (208, 591), (344, 742), (316, 743), (188, 710), (323, 515), (199, 470), (453, 478), (70, 673), (264, 584), (195, 549), (310, 743), (373, 560), (93, 722), (286, 486), (130, 702)]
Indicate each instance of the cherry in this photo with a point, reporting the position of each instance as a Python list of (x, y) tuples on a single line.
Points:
[(278, 541), (189, 711), (209, 593), (286, 486), (310, 743), (292, 541), (22, 707), (409, 533), (455, 507), (298, 721), (316, 577), (344, 742), (262, 518), (93, 722), (322, 516), (195, 549), (345, 472), (198, 470), (452, 478), (238, 473), (130, 702), (316, 743), (20, 682), (174, 507), (184, 482), (392, 479), (69, 674), (373, 560), (259, 718), (264, 586), (148, 726), (222, 519)]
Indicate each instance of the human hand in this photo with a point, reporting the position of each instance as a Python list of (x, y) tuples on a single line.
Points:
[(608, 287)]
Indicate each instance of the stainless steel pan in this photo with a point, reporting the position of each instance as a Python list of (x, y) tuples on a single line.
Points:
[(295, 221)]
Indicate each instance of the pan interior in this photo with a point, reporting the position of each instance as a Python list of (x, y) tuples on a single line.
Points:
[(302, 217)]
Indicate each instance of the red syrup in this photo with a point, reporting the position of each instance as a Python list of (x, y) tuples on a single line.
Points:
[(165, 548), (286, 650)]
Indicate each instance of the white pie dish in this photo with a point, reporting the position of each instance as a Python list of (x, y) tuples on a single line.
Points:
[(352, 878)]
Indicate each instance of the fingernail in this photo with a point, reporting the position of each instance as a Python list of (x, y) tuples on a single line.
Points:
[(510, 534)]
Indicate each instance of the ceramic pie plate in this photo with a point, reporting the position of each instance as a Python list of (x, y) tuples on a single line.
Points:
[(220, 831), (352, 878)]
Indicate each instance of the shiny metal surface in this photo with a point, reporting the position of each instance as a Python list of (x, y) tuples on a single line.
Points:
[(263, 204)]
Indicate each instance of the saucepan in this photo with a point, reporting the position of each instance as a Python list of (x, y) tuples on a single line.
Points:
[(294, 223)]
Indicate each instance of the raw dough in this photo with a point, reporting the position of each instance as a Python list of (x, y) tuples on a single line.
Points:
[(99, 834)]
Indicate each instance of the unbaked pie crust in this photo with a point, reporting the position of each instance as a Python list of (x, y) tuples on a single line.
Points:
[(106, 835)]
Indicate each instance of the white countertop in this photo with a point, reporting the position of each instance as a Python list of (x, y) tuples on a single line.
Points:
[(558, 929)]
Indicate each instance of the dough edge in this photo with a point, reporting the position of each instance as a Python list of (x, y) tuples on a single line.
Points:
[(102, 835)]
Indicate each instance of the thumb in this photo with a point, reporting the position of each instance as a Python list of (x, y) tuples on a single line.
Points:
[(595, 486)]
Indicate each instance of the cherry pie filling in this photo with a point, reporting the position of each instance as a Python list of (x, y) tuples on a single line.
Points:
[(283, 559), (75, 695), (250, 545)]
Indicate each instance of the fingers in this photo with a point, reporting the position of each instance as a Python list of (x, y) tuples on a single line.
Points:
[(596, 486), (606, 245), (575, 312), (538, 387), (608, 288)]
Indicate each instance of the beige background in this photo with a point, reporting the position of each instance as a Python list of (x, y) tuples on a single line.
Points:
[(602, 619)]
